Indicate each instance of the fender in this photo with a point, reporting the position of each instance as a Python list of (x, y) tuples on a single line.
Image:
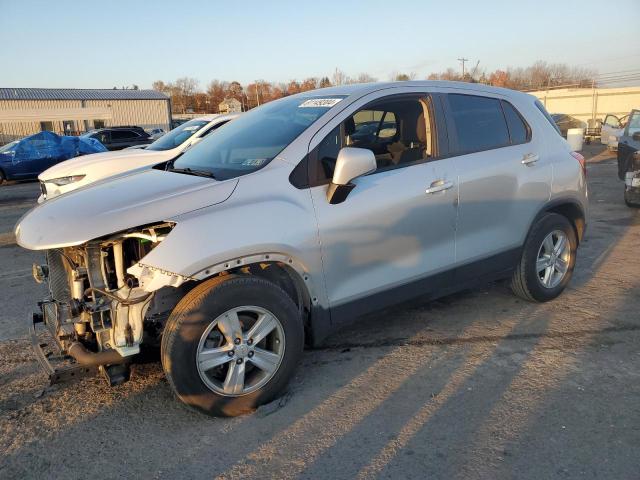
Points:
[(570, 207)]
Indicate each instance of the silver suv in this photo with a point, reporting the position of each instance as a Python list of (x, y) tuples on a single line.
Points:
[(298, 217)]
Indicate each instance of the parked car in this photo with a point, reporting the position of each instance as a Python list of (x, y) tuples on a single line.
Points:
[(117, 138), (26, 158), (176, 122), (73, 174), (276, 230), (565, 122), (629, 159), (612, 128)]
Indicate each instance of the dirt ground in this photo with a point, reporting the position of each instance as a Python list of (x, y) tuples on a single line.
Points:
[(474, 385)]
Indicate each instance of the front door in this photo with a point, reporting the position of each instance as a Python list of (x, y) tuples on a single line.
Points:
[(609, 127), (394, 236)]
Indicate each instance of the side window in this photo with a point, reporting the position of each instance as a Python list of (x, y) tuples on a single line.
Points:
[(397, 130), (479, 123), (518, 130), (119, 135), (102, 137), (213, 129), (612, 121), (327, 152)]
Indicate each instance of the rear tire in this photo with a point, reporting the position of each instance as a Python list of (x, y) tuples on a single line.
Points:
[(200, 333), (545, 269), (2, 177)]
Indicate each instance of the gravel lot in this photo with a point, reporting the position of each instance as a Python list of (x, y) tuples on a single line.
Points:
[(475, 385)]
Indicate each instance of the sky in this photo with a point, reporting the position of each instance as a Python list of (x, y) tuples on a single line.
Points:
[(102, 44)]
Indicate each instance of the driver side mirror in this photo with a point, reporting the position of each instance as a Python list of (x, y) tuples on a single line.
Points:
[(350, 164), (635, 136)]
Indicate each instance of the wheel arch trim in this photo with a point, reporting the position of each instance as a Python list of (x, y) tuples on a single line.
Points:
[(288, 261), (560, 205)]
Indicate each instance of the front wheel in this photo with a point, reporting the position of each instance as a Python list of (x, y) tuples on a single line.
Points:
[(232, 344), (547, 261)]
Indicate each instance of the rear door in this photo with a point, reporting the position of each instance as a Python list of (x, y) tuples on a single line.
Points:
[(504, 178)]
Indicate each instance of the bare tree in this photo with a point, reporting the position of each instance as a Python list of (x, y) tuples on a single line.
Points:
[(365, 78), (339, 77), (325, 82)]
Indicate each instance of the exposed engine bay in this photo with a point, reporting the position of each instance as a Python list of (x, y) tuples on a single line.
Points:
[(99, 312)]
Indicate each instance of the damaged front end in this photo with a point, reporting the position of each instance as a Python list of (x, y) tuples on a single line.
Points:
[(103, 302)]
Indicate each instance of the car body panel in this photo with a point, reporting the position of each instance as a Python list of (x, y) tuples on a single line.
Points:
[(627, 145), (136, 199)]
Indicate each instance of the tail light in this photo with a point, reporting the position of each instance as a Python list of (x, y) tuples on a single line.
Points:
[(581, 161)]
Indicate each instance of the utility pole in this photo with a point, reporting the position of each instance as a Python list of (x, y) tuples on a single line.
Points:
[(462, 60), (258, 92)]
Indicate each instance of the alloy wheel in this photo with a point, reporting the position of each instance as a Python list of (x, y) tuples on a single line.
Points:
[(553, 259), (240, 351)]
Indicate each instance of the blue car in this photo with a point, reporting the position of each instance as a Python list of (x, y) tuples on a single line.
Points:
[(27, 158)]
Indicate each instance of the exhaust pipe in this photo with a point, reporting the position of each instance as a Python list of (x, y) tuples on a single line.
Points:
[(94, 359)]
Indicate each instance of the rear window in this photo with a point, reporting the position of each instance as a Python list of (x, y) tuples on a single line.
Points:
[(547, 116), (518, 129), (479, 123)]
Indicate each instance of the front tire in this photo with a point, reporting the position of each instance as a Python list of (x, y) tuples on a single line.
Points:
[(232, 344), (548, 259)]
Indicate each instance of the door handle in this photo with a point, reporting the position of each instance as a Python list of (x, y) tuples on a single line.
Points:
[(439, 186), (530, 158)]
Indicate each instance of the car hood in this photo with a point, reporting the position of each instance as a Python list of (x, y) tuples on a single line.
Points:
[(114, 161), (117, 204)]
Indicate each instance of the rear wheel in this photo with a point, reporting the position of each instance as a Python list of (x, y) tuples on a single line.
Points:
[(232, 344), (2, 177), (548, 259)]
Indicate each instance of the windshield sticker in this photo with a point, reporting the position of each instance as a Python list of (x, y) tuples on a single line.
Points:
[(192, 127), (254, 162), (319, 102)]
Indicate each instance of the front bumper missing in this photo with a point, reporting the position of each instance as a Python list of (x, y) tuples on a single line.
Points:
[(57, 366)]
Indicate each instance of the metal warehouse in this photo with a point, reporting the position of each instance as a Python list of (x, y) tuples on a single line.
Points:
[(25, 111)]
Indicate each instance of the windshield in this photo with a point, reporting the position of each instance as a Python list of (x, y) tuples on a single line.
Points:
[(8, 147), (633, 125), (255, 138), (178, 135)]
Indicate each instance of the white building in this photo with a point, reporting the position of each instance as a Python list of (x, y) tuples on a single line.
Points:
[(25, 111)]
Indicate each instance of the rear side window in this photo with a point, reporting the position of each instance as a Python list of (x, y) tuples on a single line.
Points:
[(123, 135), (518, 129), (547, 116), (479, 123)]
